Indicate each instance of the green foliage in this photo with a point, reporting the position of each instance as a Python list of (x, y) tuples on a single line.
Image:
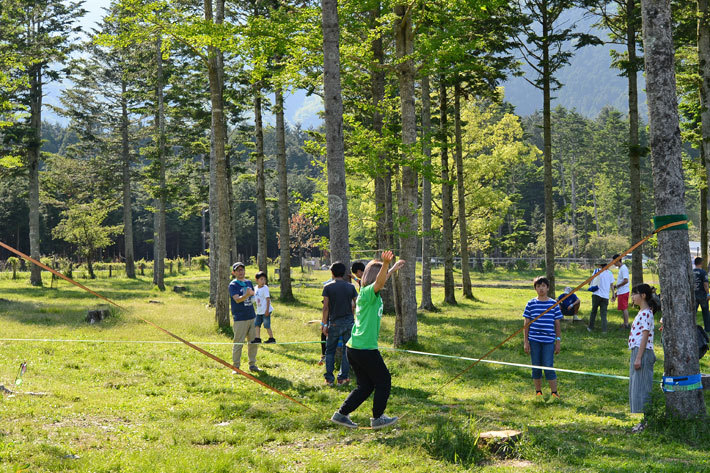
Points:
[(488, 266), (201, 261), (83, 226), (605, 246), (454, 443)]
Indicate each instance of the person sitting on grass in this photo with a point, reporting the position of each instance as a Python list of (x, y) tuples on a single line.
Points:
[(362, 350), (642, 356), (542, 336), (264, 309), (570, 306)]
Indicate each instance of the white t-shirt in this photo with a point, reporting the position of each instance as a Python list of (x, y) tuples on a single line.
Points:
[(642, 321), (261, 294), (604, 280), (623, 274)]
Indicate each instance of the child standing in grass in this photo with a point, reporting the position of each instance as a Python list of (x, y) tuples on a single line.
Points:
[(642, 356), (362, 349), (264, 308), (542, 336)]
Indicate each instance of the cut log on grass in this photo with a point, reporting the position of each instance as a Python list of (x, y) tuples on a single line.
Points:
[(496, 440), (179, 289), (97, 315)]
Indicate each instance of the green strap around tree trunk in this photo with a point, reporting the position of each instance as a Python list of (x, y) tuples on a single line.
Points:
[(660, 220)]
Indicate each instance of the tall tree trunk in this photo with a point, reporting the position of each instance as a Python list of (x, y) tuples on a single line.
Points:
[(463, 231), (679, 342), (284, 231), (335, 146), (573, 199), (383, 210), (634, 146), (213, 220), (126, 170), (427, 303), (260, 181), (232, 211), (547, 158), (159, 236), (221, 218), (447, 204), (33, 159), (704, 72), (407, 323)]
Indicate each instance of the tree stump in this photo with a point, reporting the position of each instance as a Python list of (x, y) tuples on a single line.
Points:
[(97, 315), (497, 440), (179, 289)]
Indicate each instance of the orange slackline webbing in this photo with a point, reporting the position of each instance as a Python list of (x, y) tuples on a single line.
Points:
[(527, 324), (195, 347)]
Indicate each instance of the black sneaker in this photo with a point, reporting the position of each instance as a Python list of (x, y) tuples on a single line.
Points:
[(255, 369), (256, 340), (271, 340)]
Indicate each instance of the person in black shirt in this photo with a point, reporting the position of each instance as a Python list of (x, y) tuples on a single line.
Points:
[(701, 291), (338, 316)]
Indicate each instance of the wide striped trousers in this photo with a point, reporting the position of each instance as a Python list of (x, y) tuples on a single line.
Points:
[(640, 380)]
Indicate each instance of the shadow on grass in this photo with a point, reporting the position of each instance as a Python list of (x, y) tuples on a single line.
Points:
[(51, 315)]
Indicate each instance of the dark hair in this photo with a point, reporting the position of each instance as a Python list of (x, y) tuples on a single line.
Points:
[(338, 269), (698, 261), (615, 256), (261, 274), (370, 274), (541, 280), (357, 266), (645, 290)]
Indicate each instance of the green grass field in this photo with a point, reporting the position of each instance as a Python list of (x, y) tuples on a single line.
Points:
[(164, 407)]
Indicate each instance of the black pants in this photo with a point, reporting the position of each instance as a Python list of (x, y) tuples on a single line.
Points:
[(702, 301), (323, 338), (372, 375)]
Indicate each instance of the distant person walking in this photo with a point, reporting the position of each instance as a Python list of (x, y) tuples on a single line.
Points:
[(621, 289), (601, 285), (365, 358), (701, 292), (241, 293)]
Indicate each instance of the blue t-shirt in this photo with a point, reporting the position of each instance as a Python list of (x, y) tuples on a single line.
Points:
[(543, 329), (567, 303), (243, 310)]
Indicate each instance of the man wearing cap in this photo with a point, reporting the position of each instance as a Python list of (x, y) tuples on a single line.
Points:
[(600, 296), (241, 293), (570, 306)]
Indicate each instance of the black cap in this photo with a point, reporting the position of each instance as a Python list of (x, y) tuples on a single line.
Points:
[(236, 266)]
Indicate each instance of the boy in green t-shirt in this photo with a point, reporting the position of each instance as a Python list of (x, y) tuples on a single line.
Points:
[(363, 355)]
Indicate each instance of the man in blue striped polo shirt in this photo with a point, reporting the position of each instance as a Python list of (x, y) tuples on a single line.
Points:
[(542, 336)]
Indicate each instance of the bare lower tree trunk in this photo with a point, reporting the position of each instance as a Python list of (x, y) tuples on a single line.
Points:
[(221, 217), (463, 231), (260, 181), (547, 172), (284, 231), (404, 37), (637, 230), (335, 146), (214, 223), (704, 72), (679, 342), (33, 158), (126, 173), (427, 303), (159, 216), (447, 204)]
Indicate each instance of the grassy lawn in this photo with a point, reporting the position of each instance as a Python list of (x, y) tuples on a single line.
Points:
[(165, 407)]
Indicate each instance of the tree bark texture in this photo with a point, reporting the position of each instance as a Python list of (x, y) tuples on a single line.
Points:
[(447, 203), (547, 159), (335, 146), (463, 231), (637, 230), (214, 223), (126, 173), (679, 342), (284, 231), (703, 12), (33, 160), (260, 180), (221, 263), (408, 210), (427, 303), (159, 237)]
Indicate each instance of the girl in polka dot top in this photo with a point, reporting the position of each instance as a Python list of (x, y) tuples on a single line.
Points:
[(642, 356)]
